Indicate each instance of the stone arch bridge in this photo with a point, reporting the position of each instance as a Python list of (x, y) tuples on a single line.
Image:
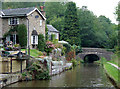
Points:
[(95, 51)]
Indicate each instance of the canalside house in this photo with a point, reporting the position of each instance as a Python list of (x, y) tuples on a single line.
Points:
[(31, 17), (52, 30)]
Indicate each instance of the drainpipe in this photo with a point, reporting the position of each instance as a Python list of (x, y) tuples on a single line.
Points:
[(28, 45)]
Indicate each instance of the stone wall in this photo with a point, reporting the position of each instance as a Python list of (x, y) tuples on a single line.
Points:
[(6, 27), (34, 23)]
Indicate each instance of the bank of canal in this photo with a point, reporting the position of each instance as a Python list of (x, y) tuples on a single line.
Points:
[(85, 75)]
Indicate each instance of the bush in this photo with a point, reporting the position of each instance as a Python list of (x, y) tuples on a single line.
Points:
[(46, 33), (74, 62), (68, 47), (78, 50), (70, 55), (49, 47), (22, 35), (41, 42), (52, 37), (63, 51), (40, 53), (16, 45)]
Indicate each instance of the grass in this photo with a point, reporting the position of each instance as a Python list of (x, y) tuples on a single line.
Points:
[(112, 72), (33, 52)]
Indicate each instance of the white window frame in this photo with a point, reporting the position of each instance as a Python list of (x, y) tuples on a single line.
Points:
[(40, 22), (34, 39), (13, 21)]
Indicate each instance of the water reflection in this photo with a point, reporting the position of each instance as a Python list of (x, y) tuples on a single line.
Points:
[(85, 75)]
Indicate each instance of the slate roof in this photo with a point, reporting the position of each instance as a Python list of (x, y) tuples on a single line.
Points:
[(52, 29), (34, 32), (18, 11)]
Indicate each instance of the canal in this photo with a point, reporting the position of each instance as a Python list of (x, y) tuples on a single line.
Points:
[(84, 75)]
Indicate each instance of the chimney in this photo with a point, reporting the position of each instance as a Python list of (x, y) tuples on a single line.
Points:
[(42, 10), (84, 8)]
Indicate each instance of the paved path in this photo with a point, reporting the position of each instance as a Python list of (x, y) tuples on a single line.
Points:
[(114, 65)]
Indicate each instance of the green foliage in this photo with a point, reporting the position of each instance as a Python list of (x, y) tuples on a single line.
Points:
[(49, 47), (22, 35), (38, 72), (12, 29), (41, 42), (96, 32), (74, 62), (16, 45), (40, 53), (63, 51), (52, 37), (67, 47), (46, 33), (71, 25), (78, 50)]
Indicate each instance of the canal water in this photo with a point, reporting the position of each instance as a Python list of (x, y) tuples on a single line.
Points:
[(84, 75)]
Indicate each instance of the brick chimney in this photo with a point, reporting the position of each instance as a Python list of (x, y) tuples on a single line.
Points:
[(42, 10)]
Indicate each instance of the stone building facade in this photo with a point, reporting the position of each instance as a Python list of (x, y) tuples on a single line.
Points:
[(31, 17)]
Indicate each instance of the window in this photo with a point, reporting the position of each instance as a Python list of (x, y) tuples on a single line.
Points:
[(40, 22), (13, 21), (33, 39)]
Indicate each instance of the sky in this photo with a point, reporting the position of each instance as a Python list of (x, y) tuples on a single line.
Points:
[(100, 7)]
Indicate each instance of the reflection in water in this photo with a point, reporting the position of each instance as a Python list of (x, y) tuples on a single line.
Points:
[(87, 75)]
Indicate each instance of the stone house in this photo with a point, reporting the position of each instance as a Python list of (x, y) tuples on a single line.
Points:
[(52, 30), (31, 17)]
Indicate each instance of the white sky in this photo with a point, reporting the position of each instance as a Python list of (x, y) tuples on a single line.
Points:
[(100, 7)]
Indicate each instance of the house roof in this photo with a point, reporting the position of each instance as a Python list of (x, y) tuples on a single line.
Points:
[(34, 32), (21, 12), (52, 29)]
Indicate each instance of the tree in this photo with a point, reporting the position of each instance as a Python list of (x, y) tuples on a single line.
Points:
[(22, 35), (71, 25), (41, 42), (87, 27), (118, 19)]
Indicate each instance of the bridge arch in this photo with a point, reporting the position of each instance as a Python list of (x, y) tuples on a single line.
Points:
[(95, 51), (90, 58)]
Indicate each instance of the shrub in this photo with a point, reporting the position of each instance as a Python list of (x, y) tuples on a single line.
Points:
[(68, 47), (16, 45), (58, 45), (63, 51), (46, 33), (74, 62), (78, 50), (70, 55), (22, 35), (40, 53), (49, 47), (41, 42), (52, 37)]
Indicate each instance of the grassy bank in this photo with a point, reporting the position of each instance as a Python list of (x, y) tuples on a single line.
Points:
[(111, 71), (33, 52)]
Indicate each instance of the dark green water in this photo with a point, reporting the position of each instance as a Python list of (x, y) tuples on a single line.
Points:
[(89, 75)]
